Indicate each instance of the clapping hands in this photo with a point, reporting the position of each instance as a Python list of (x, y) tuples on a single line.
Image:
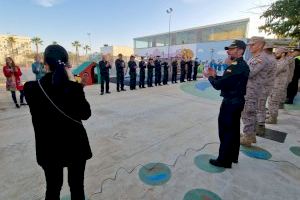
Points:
[(210, 72)]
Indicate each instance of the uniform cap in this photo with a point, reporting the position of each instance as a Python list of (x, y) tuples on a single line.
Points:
[(282, 50), (236, 44), (268, 45), (256, 39), (297, 48)]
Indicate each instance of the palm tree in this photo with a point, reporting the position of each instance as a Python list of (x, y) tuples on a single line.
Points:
[(37, 41), (76, 44), (86, 48), (54, 43), (11, 40)]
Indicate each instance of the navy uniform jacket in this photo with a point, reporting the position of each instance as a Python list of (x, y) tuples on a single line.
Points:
[(120, 65), (132, 66), (157, 64), (150, 68), (104, 70), (142, 66), (233, 83)]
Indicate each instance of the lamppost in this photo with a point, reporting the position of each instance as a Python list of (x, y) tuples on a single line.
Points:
[(89, 35), (169, 11), (212, 50)]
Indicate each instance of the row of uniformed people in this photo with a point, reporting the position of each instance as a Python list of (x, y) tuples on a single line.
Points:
[(187, 67)]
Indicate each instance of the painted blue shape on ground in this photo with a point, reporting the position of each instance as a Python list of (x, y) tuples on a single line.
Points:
[(158, 177), (256, 152), (155, 174), (201, 194), (295, 150), (202, 162), (203, 85)]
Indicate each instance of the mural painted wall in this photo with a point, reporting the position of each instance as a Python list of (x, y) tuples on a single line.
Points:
[(175, 50), (205, 51)]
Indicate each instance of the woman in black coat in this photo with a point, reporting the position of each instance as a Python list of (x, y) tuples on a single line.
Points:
[(57, 106)]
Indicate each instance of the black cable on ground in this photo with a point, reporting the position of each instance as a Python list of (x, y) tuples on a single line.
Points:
[(172, 165)]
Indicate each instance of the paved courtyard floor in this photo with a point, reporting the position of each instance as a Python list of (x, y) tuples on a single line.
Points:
[(153, 144)]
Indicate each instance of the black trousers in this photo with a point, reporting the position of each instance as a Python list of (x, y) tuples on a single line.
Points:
[(229, 131), (166, 77), (13, 95), (105, 79), (150, 79), (189, 74), (157, 78), (292, 90), (195, 73), (120, 81), (174, 75), (54, 180), (182, 75), (132, 80), (142, 79)]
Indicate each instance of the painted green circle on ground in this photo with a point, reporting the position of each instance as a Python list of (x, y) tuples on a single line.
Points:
[(256, 152), (295, 150), (68, 197), (202, 162), (201, 88), (155, 174), (295, 105), (201, 194)]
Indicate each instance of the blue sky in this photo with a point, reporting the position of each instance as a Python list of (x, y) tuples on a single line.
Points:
[(115, 22)]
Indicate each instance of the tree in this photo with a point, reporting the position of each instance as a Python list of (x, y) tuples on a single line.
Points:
[(37, 41), (86, 48), (282, 18), (11, 40), (54, 43), (76, 44)]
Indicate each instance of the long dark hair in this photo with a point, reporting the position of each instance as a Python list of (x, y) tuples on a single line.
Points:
[(57, 59), (12, 62)]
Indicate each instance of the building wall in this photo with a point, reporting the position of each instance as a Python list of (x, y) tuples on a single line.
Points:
[(217, 32), (21, 49), (113, 52)]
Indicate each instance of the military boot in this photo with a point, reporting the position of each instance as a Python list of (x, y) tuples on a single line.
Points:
[(271, 120), (260, 129), (247, 140)]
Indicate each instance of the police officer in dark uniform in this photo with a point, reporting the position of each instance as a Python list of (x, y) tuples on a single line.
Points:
[(132, 72), (189, 70), (104, 66), (196, 64), (120, 65), (182, 70), (174, 70), (293, 85), (166, 72), (142, 65), (150, 67), (233, 88), (157, 63)]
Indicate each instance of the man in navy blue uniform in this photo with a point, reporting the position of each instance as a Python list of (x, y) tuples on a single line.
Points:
[(157, 73), (142, 65), (104, 66), (233, 89)]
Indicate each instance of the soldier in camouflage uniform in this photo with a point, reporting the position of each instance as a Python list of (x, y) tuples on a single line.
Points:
[(266, 90), (259, 76), (280, 82)]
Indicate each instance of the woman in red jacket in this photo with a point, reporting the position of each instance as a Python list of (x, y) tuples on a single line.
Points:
[(13, 80)]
